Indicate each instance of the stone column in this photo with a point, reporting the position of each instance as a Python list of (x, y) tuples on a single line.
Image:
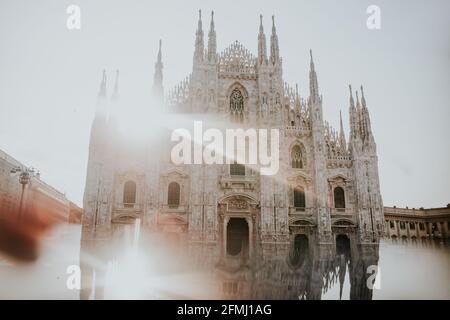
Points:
[(408, 230), (397, 224), (445, 228), (439, 228), (388, 228), (250, 236), (428, 229), (224, 245)]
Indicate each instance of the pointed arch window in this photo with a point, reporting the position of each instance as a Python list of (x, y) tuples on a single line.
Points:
[(237, 105), (299, 198), (339, 198), (237, 236), (297, 157), (173, 195), (129, 194)]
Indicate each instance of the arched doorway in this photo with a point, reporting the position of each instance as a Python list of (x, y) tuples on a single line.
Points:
[(237, 237), (343, 245), (238, 223), (299, 251)]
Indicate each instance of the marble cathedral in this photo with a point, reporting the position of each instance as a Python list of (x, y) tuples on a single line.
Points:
[(326, 192)]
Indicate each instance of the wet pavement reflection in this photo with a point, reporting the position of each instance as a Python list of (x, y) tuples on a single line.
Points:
[(138, 265)]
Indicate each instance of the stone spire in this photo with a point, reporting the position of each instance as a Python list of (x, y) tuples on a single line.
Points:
[(342, 141), (115, 94), (212, 42), (114, 107), (262, 48), (352, 102), (359, 117), (274, 49), (320, 156), (102, 91), (353, 116), (313, 83), (365, 115), (158, 75), (101, 112), (297, 99), (363, 100), (199, 42), (102, 101), (358, 105)]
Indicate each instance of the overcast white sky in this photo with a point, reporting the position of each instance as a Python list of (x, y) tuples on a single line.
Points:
[(49, 76)]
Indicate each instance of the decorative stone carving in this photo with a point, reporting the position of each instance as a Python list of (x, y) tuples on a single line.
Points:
[(237, 204)]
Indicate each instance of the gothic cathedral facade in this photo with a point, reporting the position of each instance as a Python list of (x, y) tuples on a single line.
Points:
[(326, 186)]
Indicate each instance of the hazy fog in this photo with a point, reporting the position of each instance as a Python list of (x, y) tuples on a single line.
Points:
[(49, 75)]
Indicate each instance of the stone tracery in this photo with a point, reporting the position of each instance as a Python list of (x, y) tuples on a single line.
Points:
[(237, 105)]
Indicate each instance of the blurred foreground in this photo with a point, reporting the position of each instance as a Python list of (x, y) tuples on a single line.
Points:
[(406, 271)]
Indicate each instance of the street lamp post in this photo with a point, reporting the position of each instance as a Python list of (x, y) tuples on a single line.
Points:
[(25, 175)]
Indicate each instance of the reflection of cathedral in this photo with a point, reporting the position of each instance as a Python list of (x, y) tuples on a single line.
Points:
[(229, 214)]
